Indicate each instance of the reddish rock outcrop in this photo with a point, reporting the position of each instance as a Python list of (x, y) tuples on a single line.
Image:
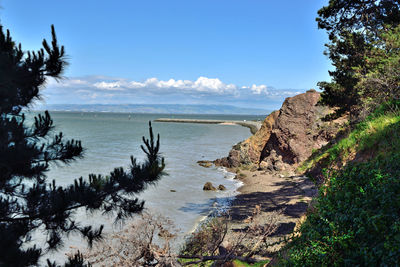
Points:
[(249, 151), (287, 136)]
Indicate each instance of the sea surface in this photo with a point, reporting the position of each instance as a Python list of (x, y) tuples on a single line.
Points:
[(110, 138)]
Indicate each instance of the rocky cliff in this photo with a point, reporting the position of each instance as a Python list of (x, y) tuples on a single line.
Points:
[(287, 137)]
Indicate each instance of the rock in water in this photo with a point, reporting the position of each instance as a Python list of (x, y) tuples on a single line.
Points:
[(205, 163), (221, 187), (209, 187)]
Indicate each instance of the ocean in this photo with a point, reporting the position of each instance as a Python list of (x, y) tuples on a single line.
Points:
[(110, 138)]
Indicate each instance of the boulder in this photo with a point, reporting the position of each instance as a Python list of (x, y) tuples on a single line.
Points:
[(221, 187), (209, 187)]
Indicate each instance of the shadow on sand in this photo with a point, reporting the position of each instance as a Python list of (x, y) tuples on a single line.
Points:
[(288, 197)]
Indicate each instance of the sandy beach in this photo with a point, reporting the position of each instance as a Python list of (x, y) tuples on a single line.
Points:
[(272, 192)]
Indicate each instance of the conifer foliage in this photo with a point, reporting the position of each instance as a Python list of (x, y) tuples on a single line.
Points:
[(354, 28), (28, 200)]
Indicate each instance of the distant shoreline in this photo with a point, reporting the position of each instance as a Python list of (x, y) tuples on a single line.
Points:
[(254, 126), (155, 108)]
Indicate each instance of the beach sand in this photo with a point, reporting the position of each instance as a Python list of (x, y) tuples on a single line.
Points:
[(272, 192)]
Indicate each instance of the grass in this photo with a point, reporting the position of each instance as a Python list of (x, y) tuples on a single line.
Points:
[(238, 263), (377, 133), (355, 220)]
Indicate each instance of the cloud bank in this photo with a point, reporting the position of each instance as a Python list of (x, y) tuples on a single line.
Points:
[(202, 84), (108, 90)]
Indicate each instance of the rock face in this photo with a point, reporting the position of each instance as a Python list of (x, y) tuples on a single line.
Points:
[(287, 136), (249, 151)]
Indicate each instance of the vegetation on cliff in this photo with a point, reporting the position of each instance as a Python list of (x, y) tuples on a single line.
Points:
[(355, 220), (374, 136), (356, 30)]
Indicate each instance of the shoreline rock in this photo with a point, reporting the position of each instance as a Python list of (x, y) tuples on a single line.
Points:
[(205, 163), (287, 136), (209, 187), (221, 187)]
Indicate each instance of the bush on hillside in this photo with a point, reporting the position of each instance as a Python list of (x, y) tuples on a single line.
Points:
[(356, 220)]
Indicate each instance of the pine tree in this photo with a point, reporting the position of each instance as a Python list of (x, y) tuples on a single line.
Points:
[(353, 27), (27, 199)]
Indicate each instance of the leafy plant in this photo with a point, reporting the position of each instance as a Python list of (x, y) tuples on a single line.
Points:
[(356, 220), (378, 133), (354, 29)]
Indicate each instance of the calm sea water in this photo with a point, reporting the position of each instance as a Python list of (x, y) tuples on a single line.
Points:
[(110, 139)]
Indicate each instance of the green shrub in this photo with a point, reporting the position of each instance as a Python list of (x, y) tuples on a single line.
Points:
[(357, 218), (378, 132)]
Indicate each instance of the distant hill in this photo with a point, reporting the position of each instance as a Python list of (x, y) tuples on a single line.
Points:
[(153, 108)]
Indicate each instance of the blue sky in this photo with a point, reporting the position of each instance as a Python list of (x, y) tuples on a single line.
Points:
[(188, 51)]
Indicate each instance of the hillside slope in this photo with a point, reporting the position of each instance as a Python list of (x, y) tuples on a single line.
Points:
[(355, 219)]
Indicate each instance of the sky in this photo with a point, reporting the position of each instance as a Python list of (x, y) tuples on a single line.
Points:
[(246, 53)]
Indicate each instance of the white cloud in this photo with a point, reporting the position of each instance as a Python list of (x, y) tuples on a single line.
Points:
[(202, 84), (259, 89), (200, 91), (108, 85)]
